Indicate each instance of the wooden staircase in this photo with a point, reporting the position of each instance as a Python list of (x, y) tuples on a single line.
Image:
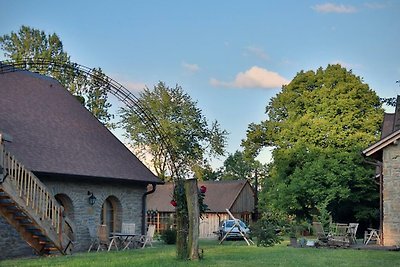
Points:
[(31, 209)]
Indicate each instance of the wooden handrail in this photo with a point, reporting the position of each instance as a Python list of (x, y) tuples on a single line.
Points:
[(32, 191)]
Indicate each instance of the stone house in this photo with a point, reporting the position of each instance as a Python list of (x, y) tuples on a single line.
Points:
[(64, 153), (237, 195), (386, 154)]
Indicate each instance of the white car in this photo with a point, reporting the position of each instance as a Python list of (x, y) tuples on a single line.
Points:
[(227, 225)]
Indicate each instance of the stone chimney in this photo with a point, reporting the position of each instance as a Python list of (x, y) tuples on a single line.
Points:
[(396, 125)]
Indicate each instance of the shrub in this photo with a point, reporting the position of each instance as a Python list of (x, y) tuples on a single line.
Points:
[(169, 236), (266, 233)]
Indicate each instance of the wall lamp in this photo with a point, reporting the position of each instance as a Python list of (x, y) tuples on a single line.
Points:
[(92, 198)]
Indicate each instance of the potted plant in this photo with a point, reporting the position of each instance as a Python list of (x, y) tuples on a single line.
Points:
[(293, 235)]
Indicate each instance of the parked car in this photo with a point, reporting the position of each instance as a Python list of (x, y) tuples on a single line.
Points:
[(227, 225)]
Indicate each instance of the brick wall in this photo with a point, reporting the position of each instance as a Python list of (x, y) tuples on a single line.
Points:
[(391, 195), (128, 198)]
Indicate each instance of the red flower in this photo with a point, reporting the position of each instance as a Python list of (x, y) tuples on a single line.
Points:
[(173, 203), (203, 189)]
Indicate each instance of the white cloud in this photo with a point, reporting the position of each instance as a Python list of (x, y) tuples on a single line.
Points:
[(190, 67), (130, 85), (334, 8), (134, 86), (258, 52), (255, 77)]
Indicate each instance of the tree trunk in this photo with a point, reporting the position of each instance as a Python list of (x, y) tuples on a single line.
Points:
[(192, 199)]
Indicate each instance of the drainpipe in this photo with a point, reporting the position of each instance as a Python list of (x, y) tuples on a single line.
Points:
[(379, 165), (143, 230)]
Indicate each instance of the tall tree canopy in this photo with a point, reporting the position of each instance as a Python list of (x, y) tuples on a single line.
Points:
[(182, 122), (37, 46), (238, 166), (318, 124)]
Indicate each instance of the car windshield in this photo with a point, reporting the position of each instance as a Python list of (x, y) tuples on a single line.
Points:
[(231, 223)]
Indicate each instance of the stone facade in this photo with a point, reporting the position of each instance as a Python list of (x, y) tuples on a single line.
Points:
[(127, 207), (391, 194)]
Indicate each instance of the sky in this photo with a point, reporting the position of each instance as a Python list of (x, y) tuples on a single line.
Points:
[(229, 56)]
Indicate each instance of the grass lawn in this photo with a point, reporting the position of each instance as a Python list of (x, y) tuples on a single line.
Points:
[(231, 253)]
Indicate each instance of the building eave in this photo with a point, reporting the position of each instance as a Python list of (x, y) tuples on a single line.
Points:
[(372, 150)]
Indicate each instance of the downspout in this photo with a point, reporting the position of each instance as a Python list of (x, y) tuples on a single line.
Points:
[(143, 230), (379, 165)]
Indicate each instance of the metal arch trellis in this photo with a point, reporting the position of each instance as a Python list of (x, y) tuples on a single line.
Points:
[(111, 86)]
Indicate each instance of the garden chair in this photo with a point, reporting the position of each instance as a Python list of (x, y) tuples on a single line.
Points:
[(319, 232), (372, 235), (105, 242), (352, 231), (94, 240), (340, 237), (148, 238), (128, 229)]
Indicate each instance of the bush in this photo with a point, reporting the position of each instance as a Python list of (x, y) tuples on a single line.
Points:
[(169, 236), (266, 233)]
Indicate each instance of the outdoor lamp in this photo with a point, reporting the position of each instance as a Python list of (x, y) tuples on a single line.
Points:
[(92, 198)]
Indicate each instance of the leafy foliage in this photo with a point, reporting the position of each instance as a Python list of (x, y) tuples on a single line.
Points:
[(237, 166), (169, 236), (37, 46), (182, 123), (265, 230), (318, 124)]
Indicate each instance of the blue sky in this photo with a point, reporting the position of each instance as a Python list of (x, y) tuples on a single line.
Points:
[(230, 56)]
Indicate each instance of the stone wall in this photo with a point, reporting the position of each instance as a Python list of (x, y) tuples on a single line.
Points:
[(391, 194), (127, 196)]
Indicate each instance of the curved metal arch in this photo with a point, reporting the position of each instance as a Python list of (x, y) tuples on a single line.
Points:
[(111, 86)]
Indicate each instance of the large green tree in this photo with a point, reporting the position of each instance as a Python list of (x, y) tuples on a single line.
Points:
[(189, 140), (318, 124), (37, 47), (182, 123), (239, 166)]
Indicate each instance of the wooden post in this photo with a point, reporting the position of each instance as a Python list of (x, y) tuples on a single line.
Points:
[(192, 198), (181, 222)]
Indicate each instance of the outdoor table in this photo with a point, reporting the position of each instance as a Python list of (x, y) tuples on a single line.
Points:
[(124, 239)]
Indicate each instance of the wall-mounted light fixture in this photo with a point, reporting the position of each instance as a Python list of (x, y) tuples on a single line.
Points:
[(92, 198)]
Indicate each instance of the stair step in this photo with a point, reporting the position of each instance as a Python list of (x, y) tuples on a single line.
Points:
[(21, 214), (31, 228), (20, 218), (51, 249), (27, 224), (5, 204)]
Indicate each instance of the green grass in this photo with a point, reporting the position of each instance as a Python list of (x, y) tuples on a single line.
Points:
[(231, 253)]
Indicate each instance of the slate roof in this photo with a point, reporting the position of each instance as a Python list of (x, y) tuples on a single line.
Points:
[(53, 133), (390, 133), (220, 195)]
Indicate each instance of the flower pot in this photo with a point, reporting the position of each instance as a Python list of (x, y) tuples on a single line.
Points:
[(293, 241)]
